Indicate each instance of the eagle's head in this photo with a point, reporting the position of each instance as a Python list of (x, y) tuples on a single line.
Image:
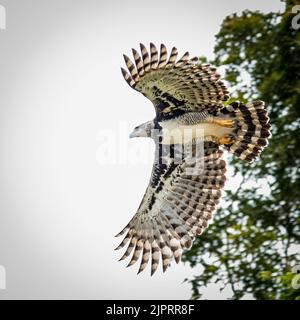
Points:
[(143, 130)]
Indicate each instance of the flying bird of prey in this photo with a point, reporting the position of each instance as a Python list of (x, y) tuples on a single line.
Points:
[(178, 203)]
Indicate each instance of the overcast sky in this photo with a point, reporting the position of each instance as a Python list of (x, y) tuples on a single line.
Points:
[(64, 195)]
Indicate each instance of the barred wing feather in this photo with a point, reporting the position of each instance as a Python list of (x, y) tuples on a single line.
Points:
[(176, 207), (174, 85)]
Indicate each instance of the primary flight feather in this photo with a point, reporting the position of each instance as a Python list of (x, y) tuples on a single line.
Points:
[(190, 125)]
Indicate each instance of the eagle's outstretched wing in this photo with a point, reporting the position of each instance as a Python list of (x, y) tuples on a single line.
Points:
[(174, 87), (177, 205)]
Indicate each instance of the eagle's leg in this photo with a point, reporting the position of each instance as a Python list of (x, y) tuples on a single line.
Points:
[(223, 122), (226, 139)]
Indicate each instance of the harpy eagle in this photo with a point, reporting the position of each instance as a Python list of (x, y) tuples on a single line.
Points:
[(188, 172)]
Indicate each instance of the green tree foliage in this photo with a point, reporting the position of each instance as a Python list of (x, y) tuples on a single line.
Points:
[(253, 243)]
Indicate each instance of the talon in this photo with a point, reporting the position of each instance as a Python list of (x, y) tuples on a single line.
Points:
[(226, 139), (228, 123)]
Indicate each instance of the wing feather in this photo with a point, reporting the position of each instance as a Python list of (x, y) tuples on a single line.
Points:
[(145, 256), (138, 62), (131, 68), (137, 252), (145, 57), (155, 250), (154, 56), (176, 207), (184, 85), (173, 58), (163, 56)]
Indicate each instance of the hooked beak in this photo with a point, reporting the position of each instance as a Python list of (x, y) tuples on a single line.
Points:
[(132, 135), (138, 132)]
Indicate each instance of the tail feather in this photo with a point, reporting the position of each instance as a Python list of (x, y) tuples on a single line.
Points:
[(252, 129)]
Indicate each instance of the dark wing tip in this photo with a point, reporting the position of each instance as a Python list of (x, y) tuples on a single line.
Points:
[(126, 58), (124, 72), (152, 45), (142, 46), (126, 228)]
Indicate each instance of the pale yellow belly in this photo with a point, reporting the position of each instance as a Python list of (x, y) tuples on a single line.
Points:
[(174, 133)]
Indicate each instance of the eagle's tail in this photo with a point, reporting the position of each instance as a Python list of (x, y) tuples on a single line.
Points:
[(252, 129)]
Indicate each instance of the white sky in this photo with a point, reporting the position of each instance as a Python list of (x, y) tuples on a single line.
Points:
[(60, 88)]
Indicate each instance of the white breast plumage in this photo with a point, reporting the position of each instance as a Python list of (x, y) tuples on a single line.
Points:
[(174, 132)]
